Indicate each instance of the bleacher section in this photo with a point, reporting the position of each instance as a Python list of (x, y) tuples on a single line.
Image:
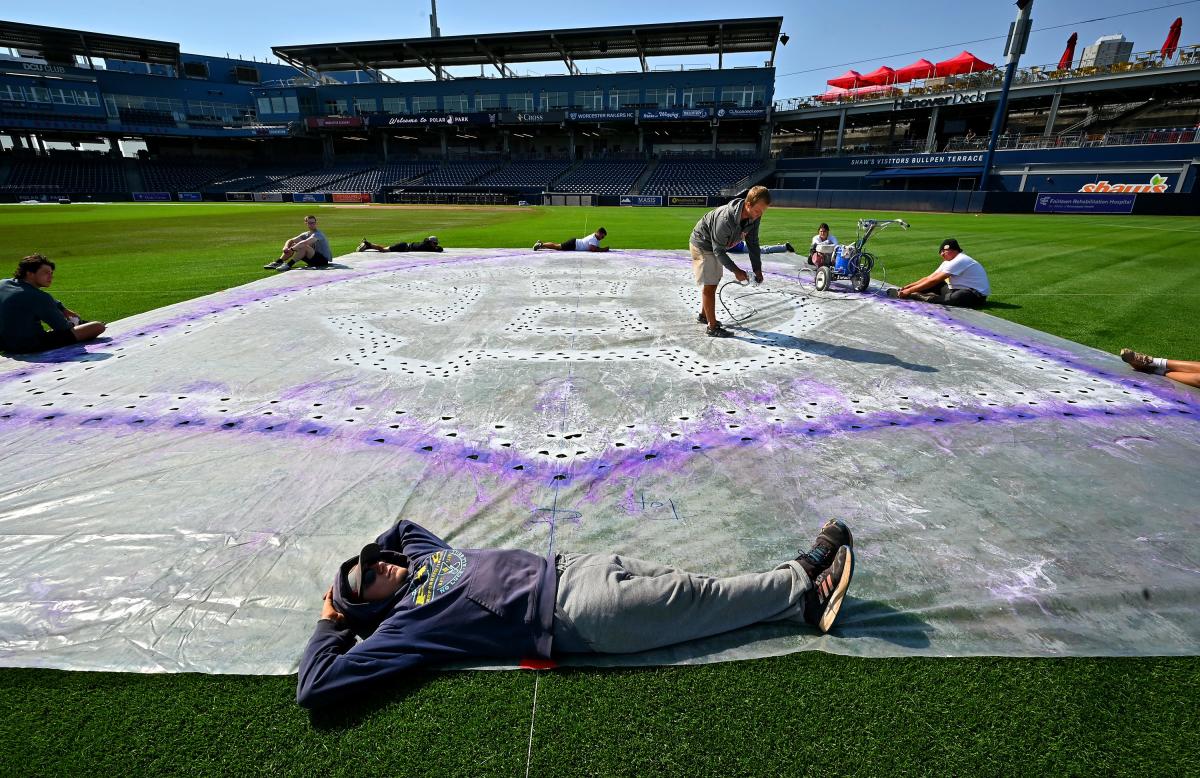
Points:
[(180, 176), (260, 179), (392, 174), (316, 181), (526, 174), (458, 173), (65, 176), (602, 177), (697, 176)]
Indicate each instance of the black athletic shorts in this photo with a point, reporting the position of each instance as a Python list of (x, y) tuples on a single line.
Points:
[(567, 245), (318, 260), (56, 339)]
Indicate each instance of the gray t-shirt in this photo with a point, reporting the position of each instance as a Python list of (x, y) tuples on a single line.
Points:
[(321, 245)]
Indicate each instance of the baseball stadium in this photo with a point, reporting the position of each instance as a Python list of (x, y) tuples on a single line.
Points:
[(415, 508)]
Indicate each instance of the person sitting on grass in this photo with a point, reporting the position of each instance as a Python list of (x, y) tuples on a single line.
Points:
[(586, 243), (429, 244), (817, 257), (416, 600), (310, 247), (959, 280), (25, 308), (1176, 369)]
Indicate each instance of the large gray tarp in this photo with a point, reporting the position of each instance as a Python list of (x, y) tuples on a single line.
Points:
[(177, 497)]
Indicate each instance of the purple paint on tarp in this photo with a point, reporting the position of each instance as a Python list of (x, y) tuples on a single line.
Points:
[(554, 394), (421, 441), (225, 302)]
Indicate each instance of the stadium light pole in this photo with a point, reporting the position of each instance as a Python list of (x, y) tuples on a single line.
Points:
[(1018, 36)]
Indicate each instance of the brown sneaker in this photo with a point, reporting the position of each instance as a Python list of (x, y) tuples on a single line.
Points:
[(1140, 362)]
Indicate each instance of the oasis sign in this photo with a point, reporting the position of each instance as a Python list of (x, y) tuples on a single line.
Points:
[(1157, 185), (958, 98)]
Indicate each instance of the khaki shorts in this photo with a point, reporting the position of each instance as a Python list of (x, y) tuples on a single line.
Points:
[(705, 267)]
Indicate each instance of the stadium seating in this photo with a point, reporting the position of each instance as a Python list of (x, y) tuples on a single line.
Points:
[(458, 173), (526, 174), (392, 174), (260, 179), (315, 181), (66, 175), (697, 177), (610, 177), (179, 176)]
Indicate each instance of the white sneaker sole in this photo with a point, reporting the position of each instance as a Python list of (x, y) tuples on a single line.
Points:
[(835, 600)]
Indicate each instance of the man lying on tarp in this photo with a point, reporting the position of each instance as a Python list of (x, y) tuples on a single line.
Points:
[(414, 600)]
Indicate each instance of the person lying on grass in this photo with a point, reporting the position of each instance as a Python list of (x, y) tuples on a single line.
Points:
[(1176, 369), (586, 243), (415, 600), (429, 244), (25, 307)]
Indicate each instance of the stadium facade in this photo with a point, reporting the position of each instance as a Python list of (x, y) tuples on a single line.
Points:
[(332, 124)]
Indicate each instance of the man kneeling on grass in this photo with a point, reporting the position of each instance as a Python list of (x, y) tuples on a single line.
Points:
[(25, 308), (415, 600)]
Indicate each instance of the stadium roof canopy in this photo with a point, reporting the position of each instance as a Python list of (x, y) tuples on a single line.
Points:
[(59, 46), (720, 37)]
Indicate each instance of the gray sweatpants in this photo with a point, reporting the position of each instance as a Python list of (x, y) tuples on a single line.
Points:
[(611, 604)]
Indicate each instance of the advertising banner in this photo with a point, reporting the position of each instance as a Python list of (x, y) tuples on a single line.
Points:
[(190, 197), (270, 131), (741, 113), (239, 197), (1077, 202), (641, 200), (674, 114), (351, 197), (691, 200), (601, 116), (1159, 184), (309, 197), (268, 197), (152, 197), (334, 122), (431, 119), (532, 117)]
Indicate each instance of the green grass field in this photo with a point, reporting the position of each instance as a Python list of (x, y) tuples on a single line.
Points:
[(1104, 281)]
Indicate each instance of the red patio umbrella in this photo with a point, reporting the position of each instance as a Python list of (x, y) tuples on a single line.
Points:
[(847, 80), (966, 62), (832, 94), (922, 68), (1069, 54), (879, 76), (1172, 41)]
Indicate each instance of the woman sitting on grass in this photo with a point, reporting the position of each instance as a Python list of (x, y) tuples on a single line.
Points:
[(1175, 369)]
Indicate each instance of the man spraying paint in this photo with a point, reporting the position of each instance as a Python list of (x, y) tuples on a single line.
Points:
[(415, 600), (714, 235)]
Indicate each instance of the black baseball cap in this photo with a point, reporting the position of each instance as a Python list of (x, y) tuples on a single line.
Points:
[(949, 243), (370, 554)]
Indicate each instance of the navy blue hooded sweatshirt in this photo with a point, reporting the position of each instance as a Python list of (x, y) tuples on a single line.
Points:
[(454, 604)]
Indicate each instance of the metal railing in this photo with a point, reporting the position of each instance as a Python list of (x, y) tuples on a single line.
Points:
[(1032, 74)]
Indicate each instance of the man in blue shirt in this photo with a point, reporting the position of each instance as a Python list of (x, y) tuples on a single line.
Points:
[(416, 600), (25, 308)]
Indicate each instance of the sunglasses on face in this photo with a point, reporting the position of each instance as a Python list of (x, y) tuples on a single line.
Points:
[(369, 577)]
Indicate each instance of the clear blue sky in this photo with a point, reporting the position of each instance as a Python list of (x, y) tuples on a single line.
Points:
[(826, 38)]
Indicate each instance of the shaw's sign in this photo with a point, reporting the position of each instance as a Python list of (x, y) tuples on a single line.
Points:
[(1157, 185)]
